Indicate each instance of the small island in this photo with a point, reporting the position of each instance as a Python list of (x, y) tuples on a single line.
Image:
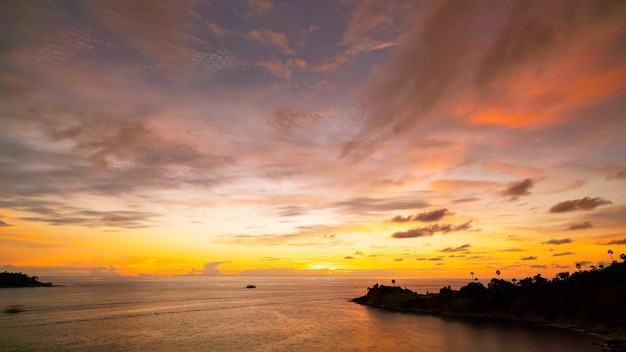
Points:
[(8, 280), (593, 301)]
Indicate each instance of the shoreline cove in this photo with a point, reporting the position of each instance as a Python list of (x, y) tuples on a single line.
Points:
[(282, 314), (477, 303)]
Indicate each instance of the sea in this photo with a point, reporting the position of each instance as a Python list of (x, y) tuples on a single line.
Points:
[(280, 314)]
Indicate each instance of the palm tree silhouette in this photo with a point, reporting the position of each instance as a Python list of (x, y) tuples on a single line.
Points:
[(578, 266), (610, 252), (472, 273), (498, 273), (393, 282)]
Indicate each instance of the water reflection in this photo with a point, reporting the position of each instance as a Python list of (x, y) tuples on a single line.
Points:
[(219, 314), (393, 331)]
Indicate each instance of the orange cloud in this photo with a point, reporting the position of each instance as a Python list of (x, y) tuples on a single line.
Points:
[(452, 185), (271, 38)]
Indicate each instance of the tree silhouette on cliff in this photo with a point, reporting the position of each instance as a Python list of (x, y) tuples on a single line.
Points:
[(8, 279), (592, 298)]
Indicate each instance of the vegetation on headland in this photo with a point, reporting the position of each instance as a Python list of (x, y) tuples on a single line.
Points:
[(8, 279), (590, 300)]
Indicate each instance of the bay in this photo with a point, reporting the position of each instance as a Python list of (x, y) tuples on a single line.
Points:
[(220, 314)]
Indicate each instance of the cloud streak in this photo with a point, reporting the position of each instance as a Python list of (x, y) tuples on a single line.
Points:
[(580, 226), (558, 241), (427, 216), (119, 219), (431, 230), (620, 241), (462, 248), (586, 203), (518, 189)]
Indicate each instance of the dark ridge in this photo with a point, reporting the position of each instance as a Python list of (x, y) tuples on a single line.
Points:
[(8, 279), (593, 301)]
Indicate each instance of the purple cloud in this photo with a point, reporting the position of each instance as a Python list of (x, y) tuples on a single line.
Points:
[(586, 203), (582, 225), (431, 230), (518, 189), (557, 242)]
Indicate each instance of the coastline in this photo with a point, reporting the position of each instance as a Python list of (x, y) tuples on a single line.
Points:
[(599, 331), (17, 280), (614, 340), (476, 302)]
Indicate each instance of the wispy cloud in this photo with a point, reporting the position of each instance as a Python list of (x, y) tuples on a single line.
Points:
[(121, 219), (462, 248), (261, 7), (558, 241), (622, 241), (418, 79), (517, 189), (434, 259), (269, 258), (530, 257), (580, 226), (362, 205), (560, 254), (313, 236), (271, 38), (431, 230), (586, 203), (427, 216)]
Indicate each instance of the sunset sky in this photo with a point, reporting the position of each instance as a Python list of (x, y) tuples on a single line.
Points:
[(363, 137)]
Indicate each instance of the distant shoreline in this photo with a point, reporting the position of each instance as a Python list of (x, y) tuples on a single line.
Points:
[(17, 280)]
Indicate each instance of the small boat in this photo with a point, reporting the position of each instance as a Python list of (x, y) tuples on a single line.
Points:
[(250, 286)]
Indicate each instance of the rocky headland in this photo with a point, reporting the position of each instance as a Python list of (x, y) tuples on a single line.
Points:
[(8, 279), (593, 301)]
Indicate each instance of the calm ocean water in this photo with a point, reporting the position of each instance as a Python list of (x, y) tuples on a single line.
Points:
[(220, 314)]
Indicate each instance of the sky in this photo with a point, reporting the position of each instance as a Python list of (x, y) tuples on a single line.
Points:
[(346, 137)]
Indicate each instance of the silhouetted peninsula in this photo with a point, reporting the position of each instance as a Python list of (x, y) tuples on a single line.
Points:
[(8, 279), (593, 301)]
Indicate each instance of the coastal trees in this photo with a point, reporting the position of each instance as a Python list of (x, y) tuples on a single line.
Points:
[(562, 276), (8, 279), (538, 280), (587, 298)]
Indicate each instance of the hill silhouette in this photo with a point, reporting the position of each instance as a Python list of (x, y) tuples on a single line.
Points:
[(8, 279), (592, 300)]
